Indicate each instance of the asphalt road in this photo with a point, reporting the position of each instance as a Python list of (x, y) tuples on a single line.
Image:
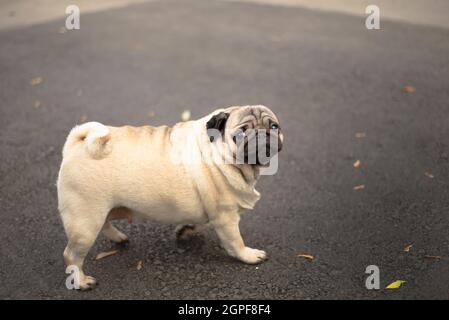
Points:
[(325, 75)]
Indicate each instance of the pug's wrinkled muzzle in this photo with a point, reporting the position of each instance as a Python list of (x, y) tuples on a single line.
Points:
[(258, 147)]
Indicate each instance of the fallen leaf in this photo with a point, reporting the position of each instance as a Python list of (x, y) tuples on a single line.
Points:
[(432, 257), (359, 187), (83, 118), (306, 256), (151, 114), (360, 135), (429, 175), (37, 104), (36, 81), (185, 116), (407, 248), (139, 265), (357, 164), (395, 285), (102, 255), (62, 30), (409, 89), (137, 48)]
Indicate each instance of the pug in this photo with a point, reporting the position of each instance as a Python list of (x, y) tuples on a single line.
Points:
[(195, 174)]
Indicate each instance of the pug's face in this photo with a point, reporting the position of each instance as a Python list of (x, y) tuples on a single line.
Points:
[(252, 133)]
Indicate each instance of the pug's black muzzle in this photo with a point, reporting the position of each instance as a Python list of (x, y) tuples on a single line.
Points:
[(258, 147)]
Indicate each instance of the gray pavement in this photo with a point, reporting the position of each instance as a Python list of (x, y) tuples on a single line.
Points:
[(325, 75)]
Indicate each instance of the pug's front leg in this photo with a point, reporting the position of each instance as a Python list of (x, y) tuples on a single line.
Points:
[(227, 228)]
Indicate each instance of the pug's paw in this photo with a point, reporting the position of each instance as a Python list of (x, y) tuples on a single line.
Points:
[(87, 283), (252, 256)]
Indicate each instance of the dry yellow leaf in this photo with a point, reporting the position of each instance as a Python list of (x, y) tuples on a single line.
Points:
[(360, 135), (432, 257), (306, 256), (36, 81), (185, 116), (357, 164), (395, 285), (407, 248), (359, 187), (83, 118), (409, 89), (102, 255), (429, 175), (139, 265), (37, 104)]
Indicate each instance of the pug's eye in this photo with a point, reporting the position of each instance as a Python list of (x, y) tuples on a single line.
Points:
[(274, 126), (238, 136)]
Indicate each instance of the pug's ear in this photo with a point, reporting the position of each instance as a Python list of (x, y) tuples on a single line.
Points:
[(217, 122)]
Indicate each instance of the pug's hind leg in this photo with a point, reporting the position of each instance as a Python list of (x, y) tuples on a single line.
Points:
[(82, 227), (227, 228), (185, 231), (113, 234)]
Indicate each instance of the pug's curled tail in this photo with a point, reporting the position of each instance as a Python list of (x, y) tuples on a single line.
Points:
[(93, 135)]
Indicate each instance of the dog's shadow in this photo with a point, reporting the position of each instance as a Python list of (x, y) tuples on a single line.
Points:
[(168, 248), (193, 244)]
